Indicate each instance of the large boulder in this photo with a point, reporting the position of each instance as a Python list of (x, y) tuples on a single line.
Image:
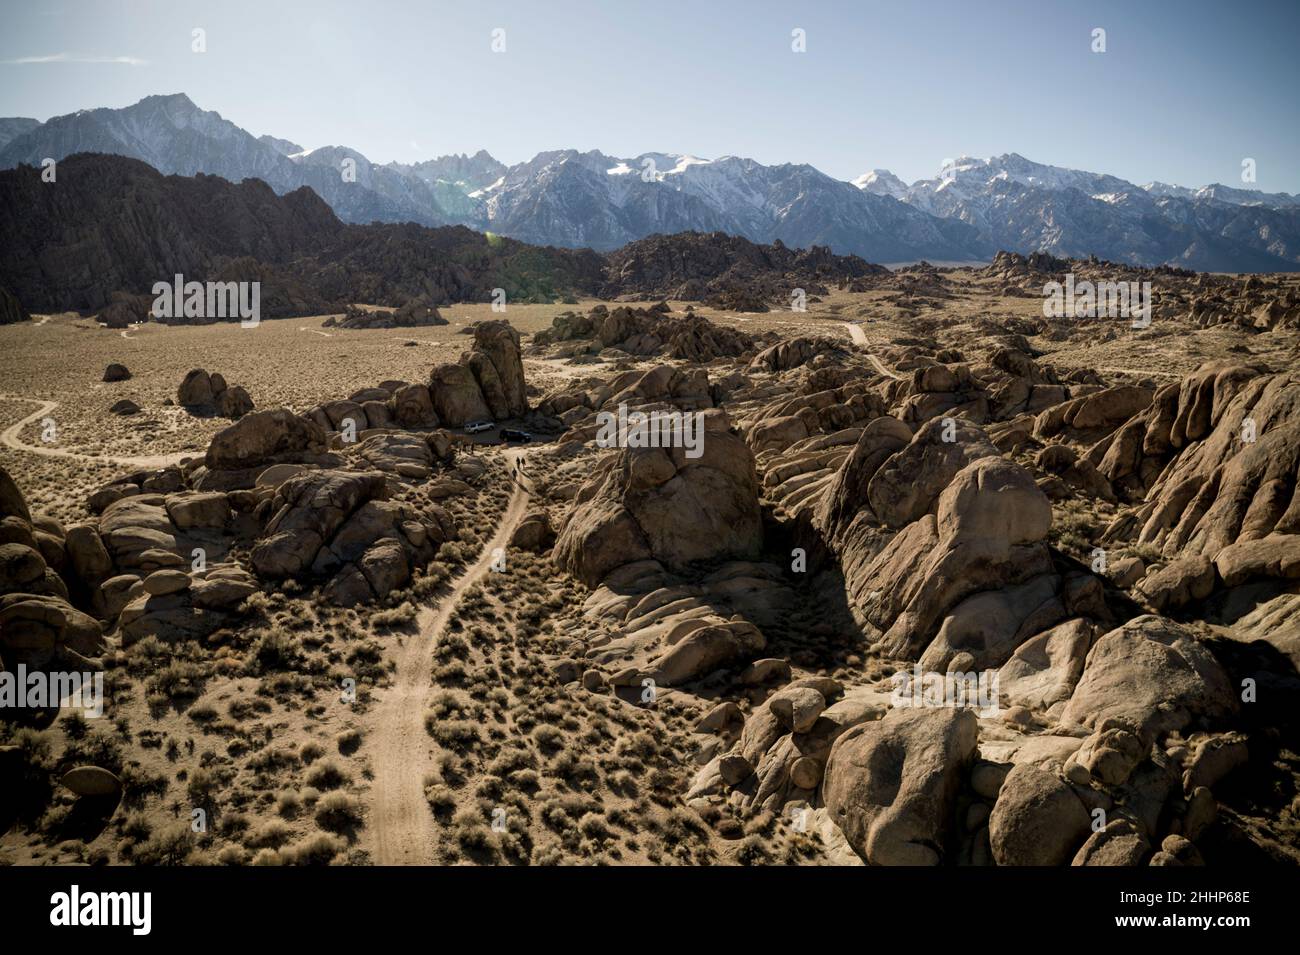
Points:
[(498, 365), (12, 503), (456, 395), (413, 407), (265, 437), (36, 629), (1150, 676), (658, 503), (1045, 669), (195, 390), (204, 393), (1037, 820), (987, 534), (308, 510), (891, 785), (338, 524)]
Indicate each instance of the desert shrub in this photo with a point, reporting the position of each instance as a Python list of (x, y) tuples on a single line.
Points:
[(318, 849), (171, 846), (139, 783), (201, 786), (593, 826), (272, 835), (548, 738), (136, 827), (232, 855), (337, 811), (99, 747), (178, 680), (454, 734), (275, 650), (288, 803), (401, 615), (272, 759), (752, 851), (326, 775), (441, 799)]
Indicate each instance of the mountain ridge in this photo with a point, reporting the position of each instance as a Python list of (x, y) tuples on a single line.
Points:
[(576, 199)]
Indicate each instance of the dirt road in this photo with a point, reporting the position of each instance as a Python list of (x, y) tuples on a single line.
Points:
[(400, 823), (859, 337), (11, 438)]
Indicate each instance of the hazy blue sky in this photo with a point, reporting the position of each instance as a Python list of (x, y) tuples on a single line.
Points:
[(1184, 92)]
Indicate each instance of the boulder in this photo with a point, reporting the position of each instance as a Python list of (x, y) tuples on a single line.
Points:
[(11, 499), (1120, 843), (235, 402), (195, 390), (1179, 582), (987, 534), (163, 582), (116, 372), (797, 707), (201, 509), (534, 532), (1150, 675), (456, 396), (1037, 820), (308, 510), (413, 407), (891, 785), (498, 365), (1046, 668), (91, 781), (265, 437), (658, 503), (34, 628)]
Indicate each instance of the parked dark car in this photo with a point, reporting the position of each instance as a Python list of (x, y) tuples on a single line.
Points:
[(514, 434)]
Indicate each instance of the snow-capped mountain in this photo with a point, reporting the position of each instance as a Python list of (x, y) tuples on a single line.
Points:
[(173, 135), (572, 198), (1024, 206), (564, 197), (882, 182), (569, 198)]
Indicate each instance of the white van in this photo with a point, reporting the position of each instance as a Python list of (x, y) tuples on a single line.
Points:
[(474, 427)]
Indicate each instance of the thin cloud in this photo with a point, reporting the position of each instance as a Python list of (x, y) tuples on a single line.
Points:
[(74, 58)]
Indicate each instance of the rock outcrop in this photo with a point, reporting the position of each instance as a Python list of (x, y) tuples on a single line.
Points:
[(658, 503), (203, 393)]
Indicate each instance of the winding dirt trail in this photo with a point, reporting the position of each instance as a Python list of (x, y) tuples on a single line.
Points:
[(859, 337), (11, 438), (401, 825)]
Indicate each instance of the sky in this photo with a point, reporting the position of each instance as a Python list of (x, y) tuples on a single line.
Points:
[(1184, 92)]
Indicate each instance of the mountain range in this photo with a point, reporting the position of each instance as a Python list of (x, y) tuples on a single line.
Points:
[(115, 226), (576, 199)]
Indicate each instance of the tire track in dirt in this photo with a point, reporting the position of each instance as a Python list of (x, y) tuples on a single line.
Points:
[(400, 822), (859, 337), (11, 438)]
